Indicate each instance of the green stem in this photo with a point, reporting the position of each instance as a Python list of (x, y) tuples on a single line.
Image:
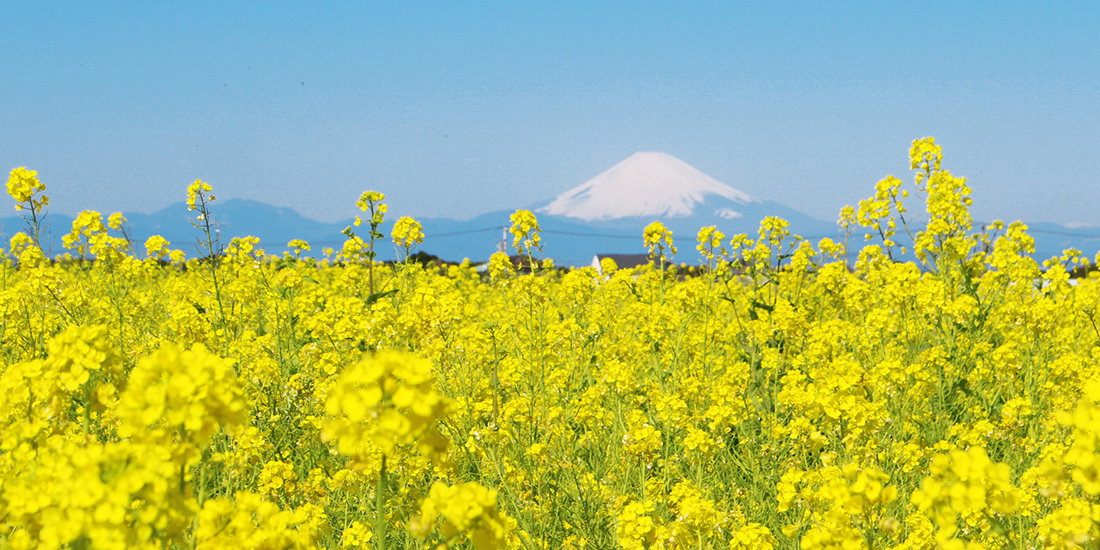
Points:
[(379, 503), (87, 408), (370, 269), (212, 246)]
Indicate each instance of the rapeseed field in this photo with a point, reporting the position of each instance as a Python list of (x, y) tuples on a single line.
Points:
[(929, 387)]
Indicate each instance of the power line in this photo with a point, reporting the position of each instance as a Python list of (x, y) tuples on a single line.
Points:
[(638, 237), (575, 234), (453, 233), (545, 231), (985, 226), (1063, 233)]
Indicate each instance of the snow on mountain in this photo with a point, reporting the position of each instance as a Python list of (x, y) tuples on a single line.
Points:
[(645, 184)]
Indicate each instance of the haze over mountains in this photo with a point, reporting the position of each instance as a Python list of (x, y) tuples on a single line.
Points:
[(603, 215)]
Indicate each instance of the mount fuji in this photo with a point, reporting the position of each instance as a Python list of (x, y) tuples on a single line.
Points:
[(606, 214), (646, 185)]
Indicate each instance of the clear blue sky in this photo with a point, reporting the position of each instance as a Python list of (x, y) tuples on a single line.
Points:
[(458, 110)]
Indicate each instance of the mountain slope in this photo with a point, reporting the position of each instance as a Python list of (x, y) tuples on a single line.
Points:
[(643, 185), (235, 218)]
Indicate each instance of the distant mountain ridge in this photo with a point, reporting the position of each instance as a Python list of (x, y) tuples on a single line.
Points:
[(605, 215), (566, 240), (235, 218)]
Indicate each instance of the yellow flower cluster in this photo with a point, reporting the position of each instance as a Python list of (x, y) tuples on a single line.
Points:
[(180, 398), (367, 198), (468, 511), (407, 233), (156, 247), (1084, 454), (636, 529), (525, 232), (298, 246), (276, 478), (641, 438), (711, 243), (249, 522), (836, 503), (89, 235), (23, 185), (64, 485), (102, 496), (658, 240), (196, 192), (384, 402), (966, 485)]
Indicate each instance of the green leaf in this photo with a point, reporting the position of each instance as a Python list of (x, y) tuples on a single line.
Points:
[(763, 306), (379, 295)]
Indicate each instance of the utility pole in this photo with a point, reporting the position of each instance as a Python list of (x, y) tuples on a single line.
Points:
[(502, 244)]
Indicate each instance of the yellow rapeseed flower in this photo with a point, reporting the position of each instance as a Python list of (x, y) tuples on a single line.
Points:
[(23, 185), (195, 191), (387, 401), (658, 240)]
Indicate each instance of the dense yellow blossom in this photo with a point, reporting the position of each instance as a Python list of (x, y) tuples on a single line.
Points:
[(407, 232), (156, 246), (636, 529), (469, 511), (386, 401), (784, 394), (180, 398), (249, 522)]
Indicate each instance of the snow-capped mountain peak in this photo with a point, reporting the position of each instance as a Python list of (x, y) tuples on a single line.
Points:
[(645, 184)]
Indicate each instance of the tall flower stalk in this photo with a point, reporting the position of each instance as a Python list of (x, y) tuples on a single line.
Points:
[(199, 196)]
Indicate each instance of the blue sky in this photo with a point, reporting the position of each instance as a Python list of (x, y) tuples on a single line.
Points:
[(458, 109)]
